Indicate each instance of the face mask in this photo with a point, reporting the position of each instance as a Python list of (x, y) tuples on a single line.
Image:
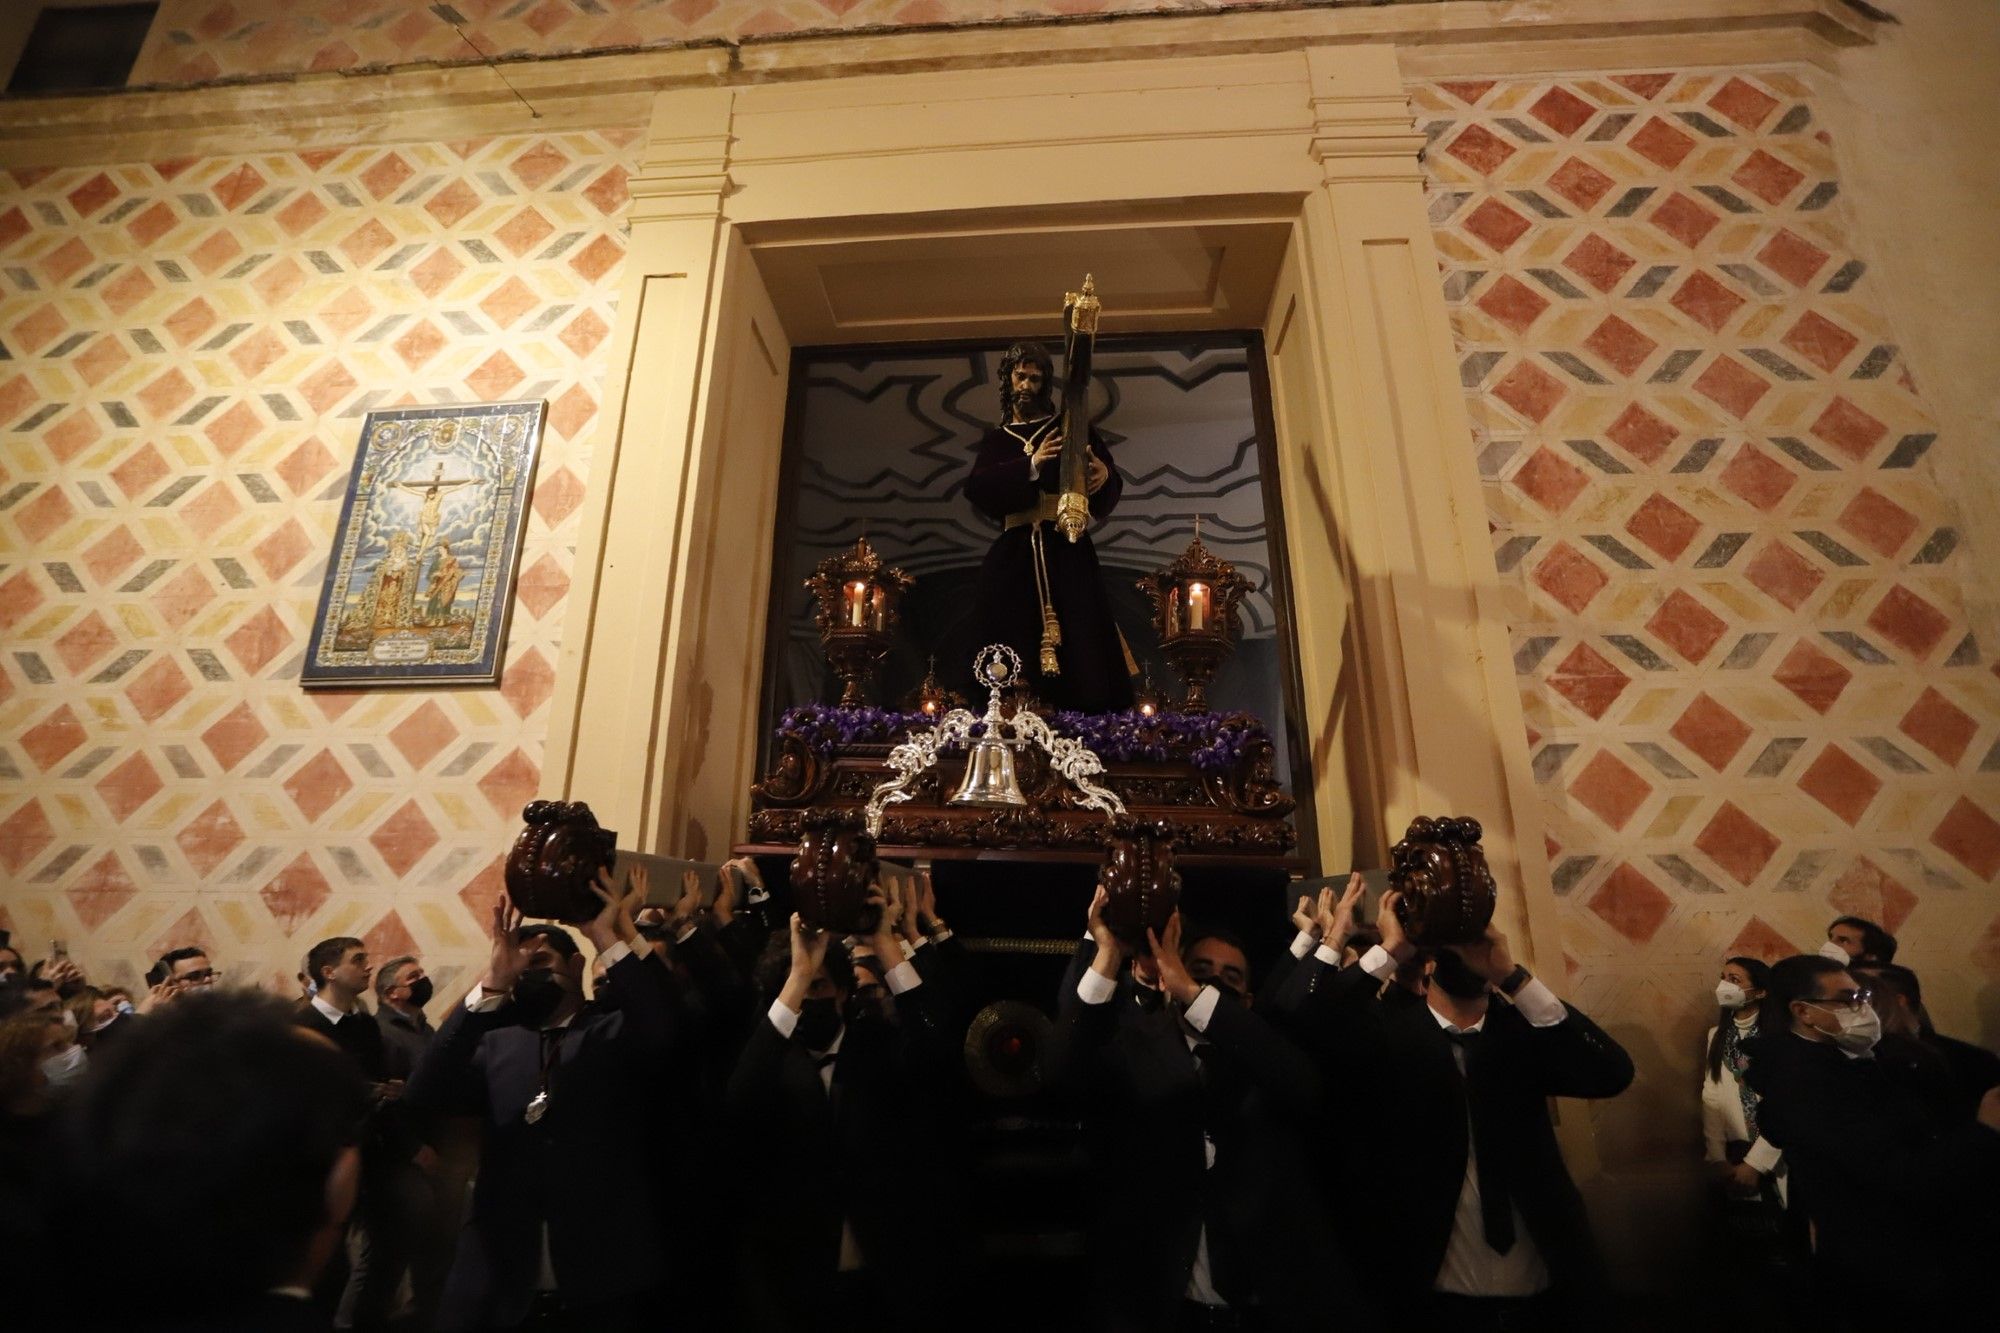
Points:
[(1729, 995), (538, 993), (819, 1023), (1859, 1029), (125, 1008), (312, 989), (1455, 979), (64, 1067), (69, 1020), (1834, 952), (420, 992)]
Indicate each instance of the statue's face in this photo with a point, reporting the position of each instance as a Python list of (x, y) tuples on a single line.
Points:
[(1027, 381), (1027, 391)]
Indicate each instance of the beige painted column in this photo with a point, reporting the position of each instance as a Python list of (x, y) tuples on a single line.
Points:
[(1433, 640), (608, 741)]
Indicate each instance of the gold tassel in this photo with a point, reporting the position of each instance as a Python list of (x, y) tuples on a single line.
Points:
[(1051, 627)]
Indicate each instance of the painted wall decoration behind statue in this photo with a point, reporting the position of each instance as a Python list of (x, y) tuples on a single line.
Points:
[(424, 558)]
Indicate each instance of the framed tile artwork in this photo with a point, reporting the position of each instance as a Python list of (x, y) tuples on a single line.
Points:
[(422, 576)]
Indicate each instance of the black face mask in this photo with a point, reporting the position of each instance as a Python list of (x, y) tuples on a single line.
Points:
[(1455, 979), (538, 993), (420, 992), (819, 1023)]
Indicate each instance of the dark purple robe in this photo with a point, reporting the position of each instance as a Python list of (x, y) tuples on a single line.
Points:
[(1006, 607)]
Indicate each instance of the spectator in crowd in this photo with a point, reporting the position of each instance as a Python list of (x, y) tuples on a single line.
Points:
[(1885, 1189), (565, 1225), (402, 990), (181, 970), (223, 1136), (339, 971), (1853, 939), (827, 1108), (1953, 1074), (29, 1039), (12, 965), (31, 994), (1195, 1112), (1746, 1161), (1450, 1068)]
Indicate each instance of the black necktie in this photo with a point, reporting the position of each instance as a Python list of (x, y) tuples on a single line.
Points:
[(1496, 1208)]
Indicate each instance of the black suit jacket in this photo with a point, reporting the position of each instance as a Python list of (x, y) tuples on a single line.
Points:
[(581, 1169), (867, 1152), (1883, 1183), (1410, 1124), (1146, 1109), (357, 1034)]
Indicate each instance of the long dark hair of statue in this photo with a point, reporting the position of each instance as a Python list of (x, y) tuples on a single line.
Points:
[(1016, 354)]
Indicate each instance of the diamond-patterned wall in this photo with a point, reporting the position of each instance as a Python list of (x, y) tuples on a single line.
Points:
[(1752, 696), (186, 351)]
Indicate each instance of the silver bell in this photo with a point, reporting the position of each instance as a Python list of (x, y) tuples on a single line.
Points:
[(989, 776)]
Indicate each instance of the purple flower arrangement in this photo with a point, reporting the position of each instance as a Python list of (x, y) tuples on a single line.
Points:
[(1211, 742)]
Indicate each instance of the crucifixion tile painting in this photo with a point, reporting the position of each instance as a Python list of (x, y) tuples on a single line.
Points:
[(424, 558)]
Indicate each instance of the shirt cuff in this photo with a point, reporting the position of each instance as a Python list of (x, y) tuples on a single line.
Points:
[(1764, 1156), (686, 933), (1538, 1004), (903, 976), (1303, 943), (615, 955), (1203, 1008), (1095, 987), (784, 1018), (941, 934), (1327, 954), (1379, 963), (909, 949), (479, 1000)]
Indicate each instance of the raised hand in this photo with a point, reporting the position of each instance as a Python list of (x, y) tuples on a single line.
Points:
[(687, 907), (808, 950), (1336, 915), (1174, 978), (927, 915), (1305, 918), (1096, 476), (614, 917), (62, 972), (1489, 957), (1110, 951), (724, 906), (159, 995), (507, 959), (1394, 941)]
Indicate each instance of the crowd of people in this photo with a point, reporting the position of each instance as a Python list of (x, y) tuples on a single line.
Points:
[(726, 1121)]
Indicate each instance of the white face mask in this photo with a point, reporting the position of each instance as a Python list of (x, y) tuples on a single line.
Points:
[(1729, 995), (1834, 952), (1860, 1028), (65, 1066)]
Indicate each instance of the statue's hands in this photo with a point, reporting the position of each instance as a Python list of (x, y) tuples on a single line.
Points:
[(1097, 476)]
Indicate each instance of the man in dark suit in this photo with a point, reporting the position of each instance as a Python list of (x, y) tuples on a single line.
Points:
[(1451, 1060), (402, 989), (1194, 1115), (834, 1111), (1887, 1189), (339, 970), (566, 1228)]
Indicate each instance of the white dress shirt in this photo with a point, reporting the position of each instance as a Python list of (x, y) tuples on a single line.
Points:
[(902, 977), (1096, 988), (328, 1012)]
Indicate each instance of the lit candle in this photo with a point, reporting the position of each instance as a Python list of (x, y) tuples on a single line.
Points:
[(857, 604), (1197, 606), (1146, 709), (930, 707), (879, 609)]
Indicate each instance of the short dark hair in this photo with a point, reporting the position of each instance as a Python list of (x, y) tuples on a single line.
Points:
[(19, 959), (1795, 978), (385, 973), (165, 967), (1219, 933), (559, 939), (13, 996), (328, 953), (1876, 943), (212, 1129)]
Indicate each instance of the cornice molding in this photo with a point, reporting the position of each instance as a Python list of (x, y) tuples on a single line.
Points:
[(613, 88)]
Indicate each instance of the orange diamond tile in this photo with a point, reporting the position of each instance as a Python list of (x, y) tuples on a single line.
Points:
[(404, 838), (208, 839), (51, 739), (1814, 677), (1570, 577), (1848, 429), (1840, 784), (420, 736), (129, 786), (318, 785), (1939, 725), (1589, 680), (1781, 574), (1609, 789), (1877, 521), (1631, 904), (1663, 526), (1737, 843), (1757, 479), (1512, 303), (1792, 258), (510, 784), (1971, 837), (1480, 148), (100, 891), (1866, 890), (1686, 626), (1549, 481), (1909, 622), (1711, 731)]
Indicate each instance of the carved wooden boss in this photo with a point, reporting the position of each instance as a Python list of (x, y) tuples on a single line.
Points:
[(1448, 892), (555, 858)]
